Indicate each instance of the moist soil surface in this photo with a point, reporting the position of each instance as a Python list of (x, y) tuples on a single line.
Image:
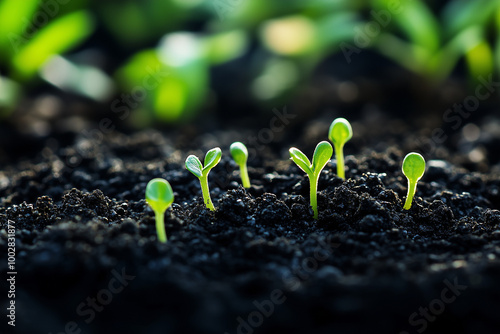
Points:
[(88, 260)]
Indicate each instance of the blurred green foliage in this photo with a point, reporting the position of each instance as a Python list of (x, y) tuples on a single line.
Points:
[(432, 46), (163, 52), (32, 32), (58, 36)]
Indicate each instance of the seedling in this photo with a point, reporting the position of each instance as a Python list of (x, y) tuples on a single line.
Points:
[(413, 169), (340, 132), (159, 196), (322, 154), (240, 156), (194, 165)]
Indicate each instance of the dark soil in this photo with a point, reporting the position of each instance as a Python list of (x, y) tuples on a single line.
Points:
[(259, 264)]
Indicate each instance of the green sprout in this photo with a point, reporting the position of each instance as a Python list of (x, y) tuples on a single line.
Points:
[(240, 155), (194, 165), (322, 154), (340, 132), (413, 168), (159, 196)]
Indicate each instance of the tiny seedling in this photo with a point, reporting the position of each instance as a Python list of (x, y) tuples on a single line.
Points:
[(240, 155), (194, 165), (340, 132), (159, 196), (413, 168), (322, 154)]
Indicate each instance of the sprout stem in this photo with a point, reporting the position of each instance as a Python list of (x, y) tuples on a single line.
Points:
[(339, 155), (412, 188), (160, 226), (313, 195), (206, 192), (244, 176)]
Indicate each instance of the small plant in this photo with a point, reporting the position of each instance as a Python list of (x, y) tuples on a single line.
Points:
[(159, 196), (322, 154), (340, 132), (194, 165), (240, 155), (413, 168)]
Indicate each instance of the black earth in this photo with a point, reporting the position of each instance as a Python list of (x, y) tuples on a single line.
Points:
[(87, 259)]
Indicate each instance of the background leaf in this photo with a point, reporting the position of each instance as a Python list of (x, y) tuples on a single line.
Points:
[(461, 14), (226, 46), (417, 22), (57, 37), (15, 16)]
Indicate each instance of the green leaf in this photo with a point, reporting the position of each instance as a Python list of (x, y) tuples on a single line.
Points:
[(322, 154), (143, 69), (239, 152), (461, 14), (335, 28), (301, 160), (57, 37), (212, 158), (340, 131), (413, 166), (179, 96), (226, 46), (497, 17), (139, 68), (417, 21), (446, 59), (480, 60), (194, 165), (159, 194), (14, 17), (408, 55), (497, 47), (171, 99)]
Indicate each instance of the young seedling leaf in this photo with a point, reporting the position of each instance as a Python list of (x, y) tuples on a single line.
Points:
[(301, 160), (193, 164), (339, 133), (212, 158), (239, 153), (159, 196), (322, 154), (413, 168)]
